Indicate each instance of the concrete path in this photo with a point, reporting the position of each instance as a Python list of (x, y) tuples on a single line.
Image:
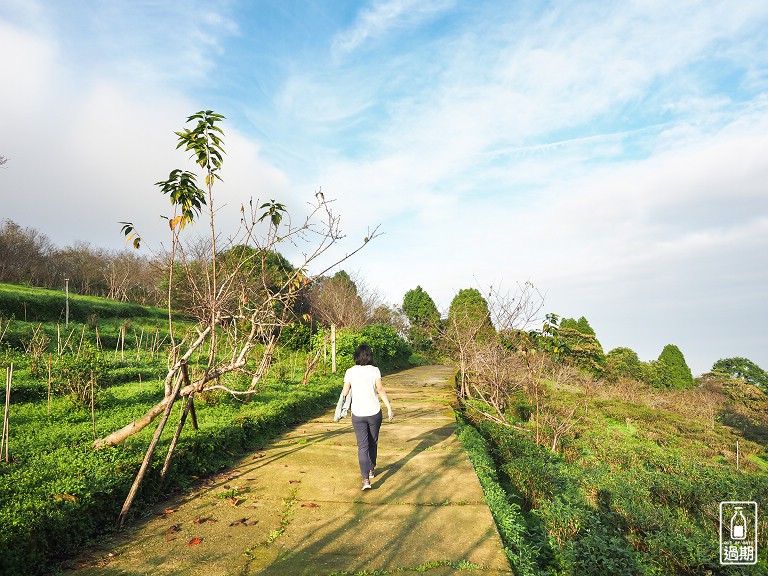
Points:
[(296, 508)]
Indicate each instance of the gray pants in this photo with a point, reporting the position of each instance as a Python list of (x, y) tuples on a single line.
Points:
[(367, 433)]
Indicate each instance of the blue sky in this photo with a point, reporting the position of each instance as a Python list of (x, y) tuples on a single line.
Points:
[(613, 153)]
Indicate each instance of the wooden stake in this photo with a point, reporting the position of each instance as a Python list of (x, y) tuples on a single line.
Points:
[(155, 343), (333, 348), (50, 361), (6, 416), (98, 339), (737, 455), (193, 414), (150, 450), (80, 346), (138, 344), (93, 410), (122, 345), (7, 324), (69, 338), (58, 338)]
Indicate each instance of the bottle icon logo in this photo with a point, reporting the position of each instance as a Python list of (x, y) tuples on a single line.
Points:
[(738, 533), (738, 525)]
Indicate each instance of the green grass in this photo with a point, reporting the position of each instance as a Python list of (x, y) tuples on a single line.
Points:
[(40, 305), (58, 492)]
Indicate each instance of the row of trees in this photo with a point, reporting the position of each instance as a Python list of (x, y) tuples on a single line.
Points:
[(28, 256), (472, 317), (508, 364)]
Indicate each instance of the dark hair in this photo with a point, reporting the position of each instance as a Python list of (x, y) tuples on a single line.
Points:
[(363, 355)]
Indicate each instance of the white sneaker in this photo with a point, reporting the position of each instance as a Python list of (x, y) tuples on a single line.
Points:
[(371, 474), (366, 484)]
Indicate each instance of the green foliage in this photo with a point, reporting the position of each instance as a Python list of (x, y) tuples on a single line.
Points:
[(742, 368), (81, 375), (424, 319), (623, 363), (295, 336), (670, 370), (390, 350), (468, 319), (581, 325), (184, 194), (204, 142), (507, 514), (581, 346)]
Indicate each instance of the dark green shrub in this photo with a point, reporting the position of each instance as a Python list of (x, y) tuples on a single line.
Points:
[(601, 550), (390, 350), (424, 319), (295, 336), (670, 370), (74, 375), (623, 363)]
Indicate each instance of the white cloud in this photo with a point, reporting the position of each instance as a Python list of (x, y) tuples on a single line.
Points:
[(384, 16)]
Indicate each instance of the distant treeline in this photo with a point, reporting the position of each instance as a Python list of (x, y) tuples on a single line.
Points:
[(28, 256)]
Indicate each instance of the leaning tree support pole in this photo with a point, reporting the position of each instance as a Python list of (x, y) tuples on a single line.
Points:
[(187, 407), (150, 451)]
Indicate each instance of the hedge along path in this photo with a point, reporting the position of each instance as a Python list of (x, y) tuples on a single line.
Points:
[(296, 508)]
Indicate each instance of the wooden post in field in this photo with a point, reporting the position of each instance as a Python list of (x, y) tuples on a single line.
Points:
[(333, 348), (50, 361), (6, 419), (122, 343), (98, 339), (93, 409), (58, 338), (80, 345), (66, 287), (737, 455)]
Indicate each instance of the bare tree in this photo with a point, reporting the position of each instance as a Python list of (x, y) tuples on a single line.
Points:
[(336, 300)]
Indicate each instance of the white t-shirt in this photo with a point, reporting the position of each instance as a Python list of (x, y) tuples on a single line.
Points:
[(365, 402)]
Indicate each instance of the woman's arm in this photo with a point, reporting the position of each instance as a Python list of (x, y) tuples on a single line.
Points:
[(345, 390), (383, 394)]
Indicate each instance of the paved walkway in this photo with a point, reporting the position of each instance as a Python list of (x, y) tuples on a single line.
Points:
[(296, 508)]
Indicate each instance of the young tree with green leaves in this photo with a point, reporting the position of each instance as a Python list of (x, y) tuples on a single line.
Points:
[(423, 317), (260, 309), (468, 323)]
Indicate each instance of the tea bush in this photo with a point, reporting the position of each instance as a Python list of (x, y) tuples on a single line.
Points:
[(58, 492), (623, 505)]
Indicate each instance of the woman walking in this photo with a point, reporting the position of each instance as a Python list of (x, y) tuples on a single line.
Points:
[(364, 381)]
